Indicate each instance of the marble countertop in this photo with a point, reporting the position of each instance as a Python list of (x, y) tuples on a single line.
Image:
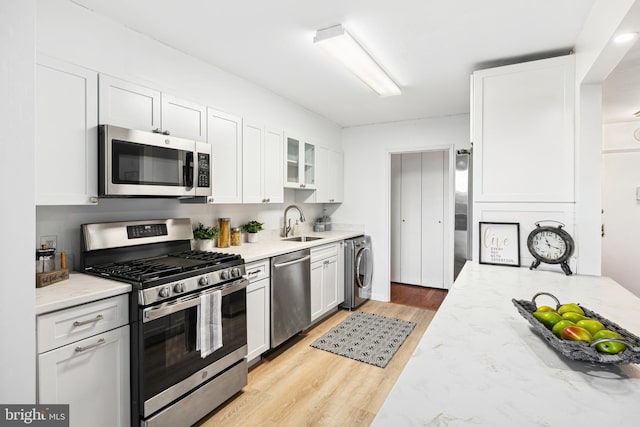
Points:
[(267, 248), (83, 288), (78, 289), (480, 363)]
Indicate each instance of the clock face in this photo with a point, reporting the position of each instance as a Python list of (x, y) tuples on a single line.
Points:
[(548, 245)]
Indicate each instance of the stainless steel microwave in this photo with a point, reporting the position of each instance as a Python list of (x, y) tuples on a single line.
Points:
[(135, 163)]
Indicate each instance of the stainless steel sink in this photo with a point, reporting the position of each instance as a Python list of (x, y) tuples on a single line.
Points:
[(302, 238)]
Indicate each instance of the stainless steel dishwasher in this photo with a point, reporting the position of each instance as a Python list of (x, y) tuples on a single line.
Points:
[(290, 295)]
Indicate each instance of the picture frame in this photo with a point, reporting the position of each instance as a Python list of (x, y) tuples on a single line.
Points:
[(499, 243)]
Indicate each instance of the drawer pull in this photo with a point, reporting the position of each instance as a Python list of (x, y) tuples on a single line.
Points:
[(98, 318), (252, 273), (90, 346)]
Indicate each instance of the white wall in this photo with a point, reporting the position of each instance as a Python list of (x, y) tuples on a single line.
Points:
[(367, 177), (72, 33), (596, 57), (621, 217), (77, 35), (17, 284)]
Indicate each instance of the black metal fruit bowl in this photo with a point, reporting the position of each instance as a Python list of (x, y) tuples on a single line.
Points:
[(577, 350)]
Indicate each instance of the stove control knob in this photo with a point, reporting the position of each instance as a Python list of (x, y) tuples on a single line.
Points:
[(224, 275), (204, 281), (178, 288), (235, 272), (164, 292)]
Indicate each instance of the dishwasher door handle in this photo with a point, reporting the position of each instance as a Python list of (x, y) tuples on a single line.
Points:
[(295, 261)]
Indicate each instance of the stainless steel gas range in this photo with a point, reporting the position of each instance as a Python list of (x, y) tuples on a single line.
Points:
[(187, 313)]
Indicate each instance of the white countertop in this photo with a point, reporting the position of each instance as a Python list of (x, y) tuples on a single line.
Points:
[(272, 247), (78, 289), (479, 362), (83, 288)]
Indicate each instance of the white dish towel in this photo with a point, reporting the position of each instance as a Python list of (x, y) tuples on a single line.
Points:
[(209, 332)]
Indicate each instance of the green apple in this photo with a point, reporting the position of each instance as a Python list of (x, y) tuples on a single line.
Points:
[(590, 325), (570, 308), (545, 308), (576, 333), (573, 316), (547, 318), (610, 347), (558, 327)]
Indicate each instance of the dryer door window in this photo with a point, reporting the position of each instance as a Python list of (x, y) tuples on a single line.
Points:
[(364, 268)]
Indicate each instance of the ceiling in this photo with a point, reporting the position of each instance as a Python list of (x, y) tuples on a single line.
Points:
[(429, 47)]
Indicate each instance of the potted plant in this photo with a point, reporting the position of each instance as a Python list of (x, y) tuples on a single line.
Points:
[(252, 228), (205, 237)]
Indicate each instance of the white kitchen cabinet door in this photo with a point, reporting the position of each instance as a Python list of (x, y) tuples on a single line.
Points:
[(300, 164), (258, 318), (184, 119), (340, 260), (262, 154), (224, 133), (252, 162), (336, 176), (92, 376), (523, 126), (317, 279), (66, 134), (273, 156), (325, 283), (128, 105), (330, 283)]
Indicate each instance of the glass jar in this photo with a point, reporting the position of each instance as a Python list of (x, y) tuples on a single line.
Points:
[(224, 225), (236, 236)]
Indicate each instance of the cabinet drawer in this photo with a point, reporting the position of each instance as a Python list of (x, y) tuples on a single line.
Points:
[(80, 322), (258, 270), (324, 251)]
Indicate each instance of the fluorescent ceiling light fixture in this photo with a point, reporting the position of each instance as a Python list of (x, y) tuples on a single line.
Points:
[(624, 38), (339, 43)]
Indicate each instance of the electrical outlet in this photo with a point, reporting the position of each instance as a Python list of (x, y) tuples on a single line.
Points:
[(50, 241)]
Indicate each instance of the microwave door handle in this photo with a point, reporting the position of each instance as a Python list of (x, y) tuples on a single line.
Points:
[(188, 170)]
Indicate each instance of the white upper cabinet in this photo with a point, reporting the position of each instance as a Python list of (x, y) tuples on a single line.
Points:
[(523, 132), (66, 146), (273, 162), (262, 153), (182, 118), (330, 171), (224, 133), (300, 167), (128, 105), (133, 106)]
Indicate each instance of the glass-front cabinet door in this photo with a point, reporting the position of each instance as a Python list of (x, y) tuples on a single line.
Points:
[(300, 164)]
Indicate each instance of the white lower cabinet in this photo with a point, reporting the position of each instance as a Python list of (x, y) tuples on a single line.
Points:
[(88, 366), (258, 309), (324, 280)]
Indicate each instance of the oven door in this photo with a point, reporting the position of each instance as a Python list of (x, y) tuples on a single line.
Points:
[(169, 364), (138, 163)]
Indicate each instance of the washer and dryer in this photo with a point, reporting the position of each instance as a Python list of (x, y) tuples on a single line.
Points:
[(358, 270)]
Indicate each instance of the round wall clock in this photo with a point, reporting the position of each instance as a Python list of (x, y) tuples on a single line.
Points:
[(551, 245)]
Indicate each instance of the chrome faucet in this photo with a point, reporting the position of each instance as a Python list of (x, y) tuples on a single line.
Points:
[(287, 226)]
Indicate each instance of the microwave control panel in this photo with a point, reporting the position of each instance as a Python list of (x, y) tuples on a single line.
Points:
[(203, 170)]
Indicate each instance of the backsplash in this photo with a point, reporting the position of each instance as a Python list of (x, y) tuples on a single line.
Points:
[(64, 221)]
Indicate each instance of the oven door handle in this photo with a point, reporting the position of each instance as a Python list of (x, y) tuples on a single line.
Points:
[(156, 312)]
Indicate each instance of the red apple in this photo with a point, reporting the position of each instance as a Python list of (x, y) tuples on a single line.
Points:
[(576, 333)]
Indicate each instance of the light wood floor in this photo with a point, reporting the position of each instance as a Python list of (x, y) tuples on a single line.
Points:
[(303, 386)]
